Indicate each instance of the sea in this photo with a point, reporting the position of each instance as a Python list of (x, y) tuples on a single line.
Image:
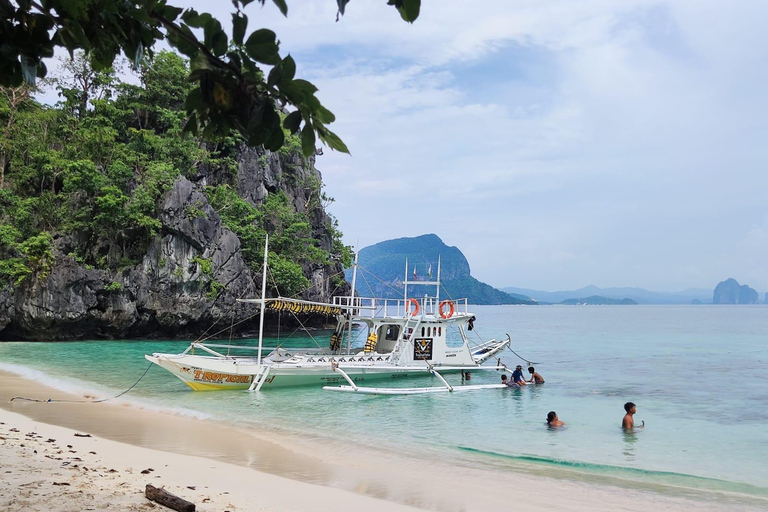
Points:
[(698, 375)]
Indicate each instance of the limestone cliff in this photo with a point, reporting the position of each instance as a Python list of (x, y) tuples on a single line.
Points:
[(731, 292), (191, 273)]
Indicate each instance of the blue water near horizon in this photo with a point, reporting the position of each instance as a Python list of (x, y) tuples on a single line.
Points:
[(698, 375)]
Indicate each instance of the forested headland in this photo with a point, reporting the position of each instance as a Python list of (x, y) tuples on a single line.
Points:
[(112, 224)]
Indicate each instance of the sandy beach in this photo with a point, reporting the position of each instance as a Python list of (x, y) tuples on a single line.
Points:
[(87, 456)]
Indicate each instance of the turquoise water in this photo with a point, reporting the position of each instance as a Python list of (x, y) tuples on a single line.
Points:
[(698, 375)]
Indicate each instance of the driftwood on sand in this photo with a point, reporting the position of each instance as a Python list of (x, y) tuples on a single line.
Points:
[(164, 497)]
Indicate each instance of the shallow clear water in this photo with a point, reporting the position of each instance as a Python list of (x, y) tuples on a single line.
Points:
[(698, 375)]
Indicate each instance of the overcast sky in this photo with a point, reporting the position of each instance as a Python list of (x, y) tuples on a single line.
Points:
[(557, 144)]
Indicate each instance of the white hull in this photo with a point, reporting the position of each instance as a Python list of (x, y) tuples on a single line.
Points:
[(204, 373)]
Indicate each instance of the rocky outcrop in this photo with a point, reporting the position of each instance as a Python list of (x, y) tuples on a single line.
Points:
[(190, 276), (731, 292)]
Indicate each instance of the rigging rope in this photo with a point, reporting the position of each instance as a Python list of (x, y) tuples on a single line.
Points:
[(54, 400)]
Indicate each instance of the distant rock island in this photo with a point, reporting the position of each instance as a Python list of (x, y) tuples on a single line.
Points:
[(596, 300), (731, 292), (382, 270), (638, 295)]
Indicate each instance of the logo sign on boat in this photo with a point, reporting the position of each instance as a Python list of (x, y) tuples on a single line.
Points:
[(422, 349), (219, 378)]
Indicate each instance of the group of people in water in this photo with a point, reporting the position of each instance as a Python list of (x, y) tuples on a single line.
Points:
[(517, 381), (628, 423)]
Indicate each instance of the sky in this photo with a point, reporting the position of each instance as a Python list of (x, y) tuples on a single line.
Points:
[(557, 144)]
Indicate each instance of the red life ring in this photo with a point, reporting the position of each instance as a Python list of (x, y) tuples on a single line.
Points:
[(450, 311), (415, 304)]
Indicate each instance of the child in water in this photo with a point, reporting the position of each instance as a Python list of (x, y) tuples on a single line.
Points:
[(553, 420)]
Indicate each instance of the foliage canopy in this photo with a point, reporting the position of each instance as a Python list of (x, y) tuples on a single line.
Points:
[(238, 84)]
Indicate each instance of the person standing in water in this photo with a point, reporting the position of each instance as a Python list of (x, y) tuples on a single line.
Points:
[(553, 420), (628, 423)]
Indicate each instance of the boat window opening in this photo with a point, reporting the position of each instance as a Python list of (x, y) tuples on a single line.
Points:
[(422, 331), (392, 332), (440, 331)]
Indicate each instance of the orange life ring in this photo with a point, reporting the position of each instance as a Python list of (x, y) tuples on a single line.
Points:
[(450, 311), (415, 304)]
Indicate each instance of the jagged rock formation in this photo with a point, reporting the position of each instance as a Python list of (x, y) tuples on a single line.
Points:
[(168, 294), (386, 261), (731, 292)]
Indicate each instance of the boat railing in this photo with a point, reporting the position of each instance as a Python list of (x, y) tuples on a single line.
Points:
[(373, 307), (283, 351)]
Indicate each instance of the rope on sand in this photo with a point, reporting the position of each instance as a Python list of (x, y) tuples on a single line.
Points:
[(53, 400)]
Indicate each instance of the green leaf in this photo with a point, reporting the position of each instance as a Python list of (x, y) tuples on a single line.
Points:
[(342, 5), (282, 6), (409, 10), (171, 13), (239, 24), (292, 122), (275, 75), (324, 115), (306, 88), (289, 68), (214, 37), (334, 142), (262, 47), (307, 140)]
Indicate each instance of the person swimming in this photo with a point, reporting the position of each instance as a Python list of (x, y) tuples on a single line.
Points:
[(553, 420)]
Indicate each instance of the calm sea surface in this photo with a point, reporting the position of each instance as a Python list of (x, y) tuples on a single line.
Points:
[(698, 375)]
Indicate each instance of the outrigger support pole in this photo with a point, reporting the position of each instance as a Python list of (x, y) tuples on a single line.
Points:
[(344, 374)]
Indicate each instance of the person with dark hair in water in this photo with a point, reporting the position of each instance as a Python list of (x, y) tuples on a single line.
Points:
[(517, 376), (553, 420), (535, 377), (628, 423), (508, 382)]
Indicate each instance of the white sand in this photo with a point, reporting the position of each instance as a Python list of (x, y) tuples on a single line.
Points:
[(47, 468)]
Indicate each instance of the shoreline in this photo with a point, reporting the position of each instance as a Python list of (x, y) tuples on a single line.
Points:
[(233, 461)]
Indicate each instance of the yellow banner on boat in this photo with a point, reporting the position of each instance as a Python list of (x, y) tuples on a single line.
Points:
[(298, 307)]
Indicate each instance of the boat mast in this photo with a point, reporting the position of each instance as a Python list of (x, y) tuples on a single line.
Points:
[(263, 296), (405, 283), (437, 294), (349, 323)]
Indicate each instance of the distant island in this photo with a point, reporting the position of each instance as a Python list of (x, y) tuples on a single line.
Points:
[(731, 292), (637, 295), (382, 270), (596, 300)]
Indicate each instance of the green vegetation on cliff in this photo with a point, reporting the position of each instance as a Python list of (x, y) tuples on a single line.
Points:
[(86, 177)]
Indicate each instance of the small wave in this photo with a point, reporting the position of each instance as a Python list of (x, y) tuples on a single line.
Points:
[(90, 391), (660, 478)]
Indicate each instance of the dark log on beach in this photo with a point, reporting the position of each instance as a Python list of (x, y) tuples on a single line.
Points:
[(163, 497)]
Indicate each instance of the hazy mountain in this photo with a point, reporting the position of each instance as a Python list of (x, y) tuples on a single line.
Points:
[(639, 295), (731, 292), (382, 270), (596, 300)]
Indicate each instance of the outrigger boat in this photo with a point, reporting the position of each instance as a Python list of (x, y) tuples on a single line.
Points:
[(406, 337)]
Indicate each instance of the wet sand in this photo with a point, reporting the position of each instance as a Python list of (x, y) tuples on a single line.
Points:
[(222, 467)]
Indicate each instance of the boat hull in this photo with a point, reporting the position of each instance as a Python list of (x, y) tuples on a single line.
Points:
[(211, 374)]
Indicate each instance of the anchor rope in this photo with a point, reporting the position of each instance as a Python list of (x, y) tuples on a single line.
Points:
[(55, 400)]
